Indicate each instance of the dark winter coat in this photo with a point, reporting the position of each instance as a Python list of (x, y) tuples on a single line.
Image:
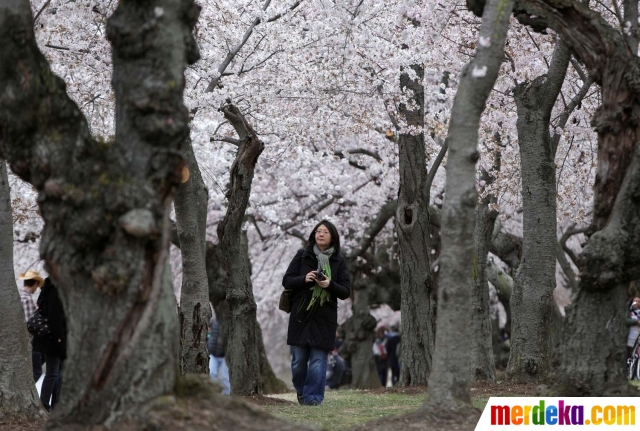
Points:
[(50, 306), (316, 327), (215, 342)]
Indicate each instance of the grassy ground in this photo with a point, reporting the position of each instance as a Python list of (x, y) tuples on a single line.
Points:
[(345, 408)]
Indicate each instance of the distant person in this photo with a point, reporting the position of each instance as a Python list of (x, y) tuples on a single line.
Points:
[(218, 369), (380, 355), (335, 369), (393, 348), (339, 339), (633, 322), (52, 346), (317, 277), (31, 282)]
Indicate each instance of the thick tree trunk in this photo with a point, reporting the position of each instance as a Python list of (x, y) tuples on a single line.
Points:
[(18, 395), (242, 348), (270, 383), (217, 295), (592, 353), (482, 363), (449, 382), (532, 298), (191, 221), (358, 344), (105, 203), (413, 229)]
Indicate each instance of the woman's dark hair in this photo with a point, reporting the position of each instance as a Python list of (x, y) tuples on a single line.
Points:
[(335, 236)]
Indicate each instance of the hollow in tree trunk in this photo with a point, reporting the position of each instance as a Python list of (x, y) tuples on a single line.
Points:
[(413, 229)]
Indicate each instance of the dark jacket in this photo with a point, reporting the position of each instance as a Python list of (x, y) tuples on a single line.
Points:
[(50, 306), (316, 327), (215, 342)]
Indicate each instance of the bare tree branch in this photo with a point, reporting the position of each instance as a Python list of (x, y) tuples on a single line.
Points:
[(571, 230), (578, 68), (564, 117), (387, 211), (373, 154), (233, 141), (62, 48), (437, 162), (35, 18), (253, 221), (233, 52), (566, 268)]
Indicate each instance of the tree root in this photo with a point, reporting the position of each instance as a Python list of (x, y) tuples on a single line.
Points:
[(195, 405), (573, 388)]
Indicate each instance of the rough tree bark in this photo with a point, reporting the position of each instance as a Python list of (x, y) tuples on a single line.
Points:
[(449, 382), (592, 353), (242, 350), (532, 299), (18, 396), (413, 229), (359, 328), (105, 203), (483, 364), (190, 204), (217, 295)]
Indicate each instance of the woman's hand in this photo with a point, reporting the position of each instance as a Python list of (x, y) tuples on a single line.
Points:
[(310, 277), (324, 283)]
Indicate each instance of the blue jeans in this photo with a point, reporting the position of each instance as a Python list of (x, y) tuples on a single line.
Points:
[(218, 370), (309, 370)]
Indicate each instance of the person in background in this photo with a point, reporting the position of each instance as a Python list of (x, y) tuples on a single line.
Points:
[(317, 277), (335, 369), (339, 338), (31, 282), (52, 346), (633, 322), (380, 355), (218, 369), (393, 343)]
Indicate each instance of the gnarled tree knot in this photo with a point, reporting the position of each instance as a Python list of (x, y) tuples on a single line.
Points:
[(139, 223)]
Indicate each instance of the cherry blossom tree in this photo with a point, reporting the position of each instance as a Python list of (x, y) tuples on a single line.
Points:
[(105, 202), (320, 84), (449, 382), (594, 365)]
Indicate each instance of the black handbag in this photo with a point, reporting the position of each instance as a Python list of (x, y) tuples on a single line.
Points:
[(285, 302), (38, 325)]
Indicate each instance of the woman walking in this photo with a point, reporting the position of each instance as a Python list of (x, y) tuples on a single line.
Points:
[(54, 345), (317, 277)]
